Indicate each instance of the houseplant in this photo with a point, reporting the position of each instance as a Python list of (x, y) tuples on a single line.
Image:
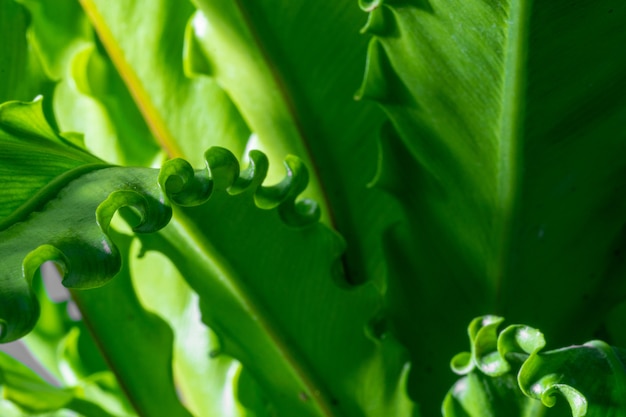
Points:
[(479, 171)]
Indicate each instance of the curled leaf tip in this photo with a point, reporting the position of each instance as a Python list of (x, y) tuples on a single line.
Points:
[(183, 185), (72, 230), (222, 166), (494, 353), (295, 212), (590, 377), (72, 227), (378, 22), (154, 214), (253, 176)]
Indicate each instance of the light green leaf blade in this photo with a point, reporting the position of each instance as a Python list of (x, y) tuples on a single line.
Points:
[(70, 225), (292, 72), (56, 30), (24, 388), (210, 382), (513, 137), (288, 343), (32, 157), (89, 96), (93, 100), (184, 115), (136, 344)]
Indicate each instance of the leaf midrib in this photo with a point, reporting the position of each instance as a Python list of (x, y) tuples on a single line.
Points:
[(510, 133), (155, 122)]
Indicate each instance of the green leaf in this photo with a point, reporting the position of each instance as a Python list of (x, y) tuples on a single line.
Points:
[(288, 344), (34, 204), (212, 383), (149, 63), (24, 388), (292, 72), (504, 149), (35, 162), (508, 371), (83, 251), (22, 75), (70, 225), (136, 344), (280, 342)]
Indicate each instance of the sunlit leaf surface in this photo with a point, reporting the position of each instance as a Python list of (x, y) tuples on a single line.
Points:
[(479, 171)]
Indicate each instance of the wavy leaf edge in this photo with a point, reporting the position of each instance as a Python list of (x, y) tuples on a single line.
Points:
[(519, 348), (176, 183)]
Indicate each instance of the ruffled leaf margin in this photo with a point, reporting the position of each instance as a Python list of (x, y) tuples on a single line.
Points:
[(507, 370), (71, 227)]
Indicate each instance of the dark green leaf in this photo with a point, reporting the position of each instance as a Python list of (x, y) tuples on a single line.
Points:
[(505, 149)]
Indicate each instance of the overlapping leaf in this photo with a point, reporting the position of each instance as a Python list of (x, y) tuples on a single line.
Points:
[(292, 345), (503, 150), (185, 116), (26, 135), (292, 71), (212, 384), (23, 77), (509, 373), (30, 235), (148, 75), (507, 121), (137, 344), (32, 395), (281, 317)]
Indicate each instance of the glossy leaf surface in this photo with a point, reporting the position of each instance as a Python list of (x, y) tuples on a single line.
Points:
[(509, 373), (504, 148), (26, 135), (498, 188), (289, 354)]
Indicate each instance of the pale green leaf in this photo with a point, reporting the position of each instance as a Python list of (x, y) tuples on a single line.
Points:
[(186, 116), (211, 381), (24, 388), (137, 345)]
